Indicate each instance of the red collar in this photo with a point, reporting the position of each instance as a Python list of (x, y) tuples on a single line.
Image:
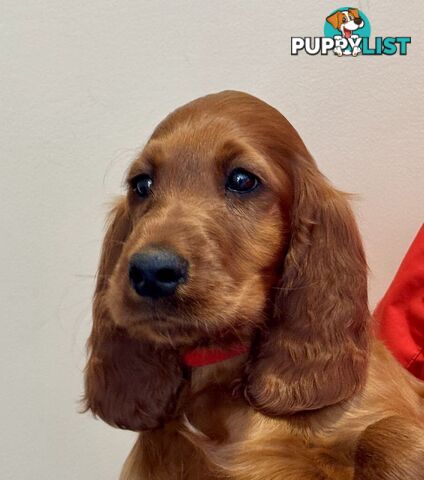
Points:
[(201, 356)]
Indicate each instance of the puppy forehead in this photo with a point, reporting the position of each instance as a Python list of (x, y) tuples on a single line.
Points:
[(202, 146), (198, 140)]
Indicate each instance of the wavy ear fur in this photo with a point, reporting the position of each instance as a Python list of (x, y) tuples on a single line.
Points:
[(315, 353), (128, 383)]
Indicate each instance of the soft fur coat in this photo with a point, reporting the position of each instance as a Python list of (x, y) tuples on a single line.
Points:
[(280, 269)]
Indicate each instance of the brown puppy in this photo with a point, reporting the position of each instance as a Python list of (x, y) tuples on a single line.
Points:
[(230, 237)]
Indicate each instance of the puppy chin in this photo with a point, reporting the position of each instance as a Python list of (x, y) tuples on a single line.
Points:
[(161, 334), (150, 325), (158, 332)]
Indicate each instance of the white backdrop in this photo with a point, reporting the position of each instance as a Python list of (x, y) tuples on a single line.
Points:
[(83, 84)]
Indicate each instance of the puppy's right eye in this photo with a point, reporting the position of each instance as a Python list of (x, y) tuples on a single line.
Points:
[(241, 181), (142, 185)]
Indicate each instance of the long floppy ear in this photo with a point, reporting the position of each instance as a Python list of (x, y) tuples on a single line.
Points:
[(315, 352), (130, 384), (335, 20)]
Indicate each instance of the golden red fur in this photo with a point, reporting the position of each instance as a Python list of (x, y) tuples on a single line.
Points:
[(281, 269)]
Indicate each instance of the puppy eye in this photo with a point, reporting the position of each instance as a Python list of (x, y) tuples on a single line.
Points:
[(241, 181), (141, 185)]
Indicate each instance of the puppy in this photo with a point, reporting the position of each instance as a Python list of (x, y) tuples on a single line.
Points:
[(347, 21), (231, 325)]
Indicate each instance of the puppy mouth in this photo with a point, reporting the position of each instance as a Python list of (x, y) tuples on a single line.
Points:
[(165, 314), (162, 322), (347, 32), (184, 335), (189, 316)]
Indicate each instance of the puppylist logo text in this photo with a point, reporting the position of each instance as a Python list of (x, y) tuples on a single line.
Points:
[(347, 32)]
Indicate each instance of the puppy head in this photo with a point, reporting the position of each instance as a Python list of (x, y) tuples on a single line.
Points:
[(227, 230), (346, 21)]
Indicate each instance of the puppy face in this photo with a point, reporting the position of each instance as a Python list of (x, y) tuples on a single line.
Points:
[(202, 191), (346, 21), (228, 229)]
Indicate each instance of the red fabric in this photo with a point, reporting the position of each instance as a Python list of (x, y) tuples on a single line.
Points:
[(401, 311), (202, 356)]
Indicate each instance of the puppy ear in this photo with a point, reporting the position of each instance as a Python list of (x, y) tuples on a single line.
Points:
[(354, 12), (335, 20), (128, 383), (315, 352)]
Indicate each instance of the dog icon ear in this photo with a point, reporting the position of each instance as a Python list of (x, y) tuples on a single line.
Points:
[(354, 12), (335, 20)]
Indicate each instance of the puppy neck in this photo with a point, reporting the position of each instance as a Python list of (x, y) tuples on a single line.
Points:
[(227, 372)]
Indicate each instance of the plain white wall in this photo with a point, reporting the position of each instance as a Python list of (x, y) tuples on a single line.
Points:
[(83, 84)]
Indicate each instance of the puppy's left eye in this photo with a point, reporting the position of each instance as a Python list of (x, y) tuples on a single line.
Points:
[(241, 181), (141, 185)]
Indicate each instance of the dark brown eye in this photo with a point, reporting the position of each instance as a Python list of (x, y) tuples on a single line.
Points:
[(141, 185), (241, 181)]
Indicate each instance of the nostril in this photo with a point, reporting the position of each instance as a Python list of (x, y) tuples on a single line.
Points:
[(136, 274), (168, 275)]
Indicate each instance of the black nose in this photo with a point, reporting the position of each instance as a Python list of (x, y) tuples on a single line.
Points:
[(358, 20), (157, 272)]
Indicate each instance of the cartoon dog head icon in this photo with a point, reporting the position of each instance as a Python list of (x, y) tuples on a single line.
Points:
[(347, 21)]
